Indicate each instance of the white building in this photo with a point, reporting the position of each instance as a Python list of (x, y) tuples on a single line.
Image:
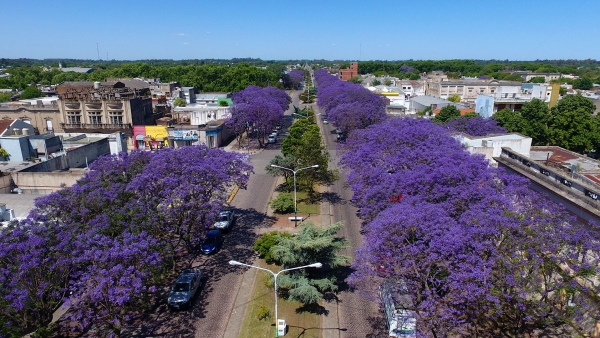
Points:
[(491, 145)]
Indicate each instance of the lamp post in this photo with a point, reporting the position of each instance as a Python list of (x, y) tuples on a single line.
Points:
[(275, 275), (295, 171)]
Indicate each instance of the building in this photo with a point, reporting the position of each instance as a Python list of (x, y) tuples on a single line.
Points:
[(347, 74), (469, 89), (491, 145), (106, 107), (420, 103), (528, 75), (42, 113), (75, 69)]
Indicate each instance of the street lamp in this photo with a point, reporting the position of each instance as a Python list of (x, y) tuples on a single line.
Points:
[(295, 171), (275, 275)]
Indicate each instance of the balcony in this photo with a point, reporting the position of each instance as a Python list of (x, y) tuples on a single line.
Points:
[(87, 127)]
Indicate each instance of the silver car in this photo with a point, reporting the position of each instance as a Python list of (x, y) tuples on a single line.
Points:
[(184, 289), (225, 220)]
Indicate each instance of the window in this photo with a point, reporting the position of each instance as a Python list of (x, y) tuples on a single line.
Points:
[(26, 120), (115, 117), (74, 117), (95, 117), (49, 125)]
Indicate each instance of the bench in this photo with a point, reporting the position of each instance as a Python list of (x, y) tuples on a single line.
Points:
[(296, 219)]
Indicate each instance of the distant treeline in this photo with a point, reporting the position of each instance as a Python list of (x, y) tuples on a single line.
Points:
[(231, 75), (206, 77), (497, 69)]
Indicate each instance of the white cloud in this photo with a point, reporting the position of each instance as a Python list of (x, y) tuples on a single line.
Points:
[(185, 43), (207, 32), (333, 44), (180, 34)]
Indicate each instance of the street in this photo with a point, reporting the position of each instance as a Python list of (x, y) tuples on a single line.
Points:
[(219, 309), (357, 316)]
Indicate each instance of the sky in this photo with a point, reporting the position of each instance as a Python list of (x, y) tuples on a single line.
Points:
[(308, 30)]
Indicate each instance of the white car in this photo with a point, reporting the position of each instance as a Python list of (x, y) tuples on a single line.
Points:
[(226, 219), (271, 139), (325, 121)]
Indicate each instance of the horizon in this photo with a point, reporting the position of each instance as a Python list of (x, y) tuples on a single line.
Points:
[(344, 31)]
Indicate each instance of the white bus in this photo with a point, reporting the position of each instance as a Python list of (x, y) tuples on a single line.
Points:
[(399, 311)]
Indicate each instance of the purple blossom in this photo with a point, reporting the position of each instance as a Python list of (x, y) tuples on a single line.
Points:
[(475, 126), (406, 69), (472, 243)]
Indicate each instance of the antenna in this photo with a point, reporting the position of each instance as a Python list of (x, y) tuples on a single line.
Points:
[(98, 50)]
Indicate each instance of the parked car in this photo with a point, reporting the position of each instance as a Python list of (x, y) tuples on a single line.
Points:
[(271, 139), (340, 137), (212, 242), (225, 221), (278, 127), (185, 288), (325, 121)]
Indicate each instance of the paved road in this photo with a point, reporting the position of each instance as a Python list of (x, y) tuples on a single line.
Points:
[(215, 312), (356, 316)]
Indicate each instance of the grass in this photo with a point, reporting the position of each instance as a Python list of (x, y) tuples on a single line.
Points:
[(304, 207), (300, 324)]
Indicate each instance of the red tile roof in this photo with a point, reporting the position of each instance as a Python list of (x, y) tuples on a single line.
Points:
[(4, 124)]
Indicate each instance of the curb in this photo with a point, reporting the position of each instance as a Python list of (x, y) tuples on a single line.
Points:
[(232, 195)]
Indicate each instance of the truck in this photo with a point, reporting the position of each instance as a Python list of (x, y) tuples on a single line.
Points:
[(185, 288), (399, 310)]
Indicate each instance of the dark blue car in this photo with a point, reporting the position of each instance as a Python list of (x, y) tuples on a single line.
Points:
[(212, 242)]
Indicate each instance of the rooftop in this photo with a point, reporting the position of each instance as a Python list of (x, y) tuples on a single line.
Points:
[(567, 161)]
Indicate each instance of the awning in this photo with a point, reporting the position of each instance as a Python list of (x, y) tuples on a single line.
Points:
[(139, 137)]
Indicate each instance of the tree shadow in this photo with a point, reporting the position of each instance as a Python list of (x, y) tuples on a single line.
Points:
[(314, 308), (331, 197)]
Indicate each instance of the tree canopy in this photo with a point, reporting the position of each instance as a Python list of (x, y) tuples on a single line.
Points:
[(103, 245), (474, 245)]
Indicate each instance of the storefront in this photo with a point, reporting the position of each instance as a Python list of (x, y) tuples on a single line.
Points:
[(150, 137)]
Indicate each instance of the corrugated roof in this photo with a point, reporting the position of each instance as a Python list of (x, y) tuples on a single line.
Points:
[(4, 124)]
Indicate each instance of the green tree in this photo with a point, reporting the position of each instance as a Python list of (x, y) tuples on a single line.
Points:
[(536, 115), (376, 82), (355, 79), (537, 79), (414, 77), (312, 244), (4, 97), (583, 83), (265, 242), (286, 162), (574, 102), (179, 102), (512, 121), (446, 114), (283, 203), (30, 92), (292, 141), (575, 130), (454, 98), (571, 124), (388, 82)]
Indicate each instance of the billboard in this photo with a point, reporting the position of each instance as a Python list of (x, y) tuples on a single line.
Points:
[(484, 106), (185, 135)]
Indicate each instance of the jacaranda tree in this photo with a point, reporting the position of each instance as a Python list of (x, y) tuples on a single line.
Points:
[(258, 108), (478, 251), (349, 106), (102, 246)]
